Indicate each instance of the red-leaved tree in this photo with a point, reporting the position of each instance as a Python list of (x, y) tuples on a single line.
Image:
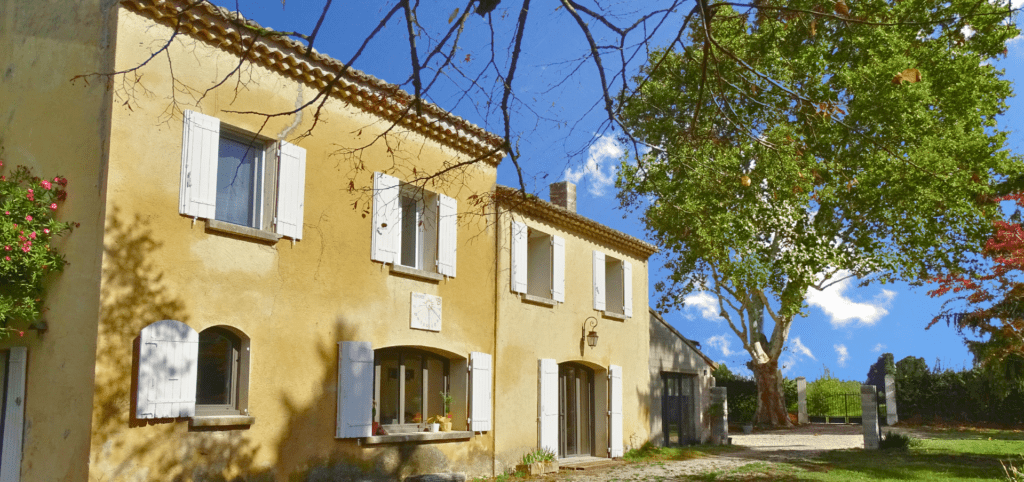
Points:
[(987, 300)]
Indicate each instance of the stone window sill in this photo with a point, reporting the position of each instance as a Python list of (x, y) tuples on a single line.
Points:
[(613, 316), (538, 300), (222, 420), (419, 274), (242, 231), (416, 437)]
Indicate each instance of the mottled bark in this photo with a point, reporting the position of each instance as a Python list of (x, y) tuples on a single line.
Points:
[(771, 401)]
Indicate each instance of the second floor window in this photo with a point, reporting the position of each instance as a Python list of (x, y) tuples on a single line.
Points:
[(413, 227)]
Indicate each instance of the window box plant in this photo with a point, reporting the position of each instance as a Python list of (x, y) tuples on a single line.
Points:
[(539, 461)]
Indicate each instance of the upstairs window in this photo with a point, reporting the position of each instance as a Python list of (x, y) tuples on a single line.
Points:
[(538, 263), (413, 227), (241, 179), (613, 285)]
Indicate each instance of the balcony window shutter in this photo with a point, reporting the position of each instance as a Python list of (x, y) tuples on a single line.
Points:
[(355, 389), (291, 187), (519, 252), (168, 357), (615, 414), (200, 144), (599, 281), (386, 216), (14, 415), (548, 404), (447, 235), (627, 289), (558, 269), (480, 392)]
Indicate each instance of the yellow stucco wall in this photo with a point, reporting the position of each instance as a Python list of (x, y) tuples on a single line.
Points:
[(528, 332), (57, 127), (294, 302)]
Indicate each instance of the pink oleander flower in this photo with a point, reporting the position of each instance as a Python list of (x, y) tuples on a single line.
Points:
[(32, 235), (26, 248), (7, 258), (53, 206), (28, 218), (46, 230), (30, 191), (46, 184), (7, 248)]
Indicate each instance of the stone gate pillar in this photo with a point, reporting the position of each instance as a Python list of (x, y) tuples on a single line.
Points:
[(869, 415), (801, 396), (720, 421), (890, 401)]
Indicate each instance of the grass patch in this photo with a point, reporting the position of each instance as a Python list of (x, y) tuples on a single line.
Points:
[(649, 452)]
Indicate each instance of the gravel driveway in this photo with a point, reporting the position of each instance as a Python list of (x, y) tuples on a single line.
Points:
[(768, 447)]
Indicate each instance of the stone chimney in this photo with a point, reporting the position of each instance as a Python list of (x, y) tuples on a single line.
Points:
[(563, 195)]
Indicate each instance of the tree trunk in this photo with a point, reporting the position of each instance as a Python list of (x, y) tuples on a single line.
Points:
[(771, 401)]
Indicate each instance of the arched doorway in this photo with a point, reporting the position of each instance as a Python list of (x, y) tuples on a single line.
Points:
[(575, 410)]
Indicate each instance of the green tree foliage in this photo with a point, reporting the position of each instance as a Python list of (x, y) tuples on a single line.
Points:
[(822, 395), (792, 146), (885, 365)]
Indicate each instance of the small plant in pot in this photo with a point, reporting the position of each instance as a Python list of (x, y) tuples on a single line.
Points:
[(538, 462), (436, 421), (446, 425)]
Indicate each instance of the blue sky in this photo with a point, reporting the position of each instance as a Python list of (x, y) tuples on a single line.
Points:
[(560, 136)]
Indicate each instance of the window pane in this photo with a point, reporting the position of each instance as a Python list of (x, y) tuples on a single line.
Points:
[(213, 385), (237, 182), (410, 232), (387, 406), (435, 387), (413, 406)]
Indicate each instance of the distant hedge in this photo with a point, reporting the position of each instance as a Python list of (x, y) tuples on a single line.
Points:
[(964, 396)]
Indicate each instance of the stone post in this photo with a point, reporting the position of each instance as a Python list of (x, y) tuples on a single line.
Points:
[(869, 415), (801, 396), (890, 401), (720, 421)]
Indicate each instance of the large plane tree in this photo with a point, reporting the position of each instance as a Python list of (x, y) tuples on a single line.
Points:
[(788, 147)]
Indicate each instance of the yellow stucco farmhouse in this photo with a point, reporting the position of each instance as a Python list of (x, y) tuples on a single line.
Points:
[(253, 298)]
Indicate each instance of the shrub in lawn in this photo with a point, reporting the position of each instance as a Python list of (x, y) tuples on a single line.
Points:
[(1013, 474), (892, 440)]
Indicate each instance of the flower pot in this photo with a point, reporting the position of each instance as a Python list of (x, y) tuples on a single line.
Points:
[(748, 428), (433, 427), (446, 426)]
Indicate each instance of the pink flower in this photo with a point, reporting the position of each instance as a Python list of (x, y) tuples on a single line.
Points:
[(26, 248), (53, 206), (46, 230), (30, 191), (7, 248), (32, 235), (30, 196), (21, 333), (28, 218), (7, 258), (46, 184)]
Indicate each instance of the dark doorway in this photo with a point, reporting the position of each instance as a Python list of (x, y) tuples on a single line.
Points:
[(576, 410), (677, 408)]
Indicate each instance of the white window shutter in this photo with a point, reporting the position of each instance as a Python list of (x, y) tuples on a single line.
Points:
[(519, 252), (627, 289), (386, 211), (200, 145), (14, 415), (291, 188), (615, 414), (548, 409), (447, 234), (168, 357), (558, 269), (480, 392), (599, 281), (355, 389)]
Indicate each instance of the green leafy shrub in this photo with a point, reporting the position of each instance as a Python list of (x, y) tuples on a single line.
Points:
[(895, 441), (537, 455)]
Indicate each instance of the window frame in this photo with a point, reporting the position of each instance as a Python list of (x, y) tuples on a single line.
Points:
[(404, 426), (238, 392), (265, 190), (426, 235), (614, 271), (534, 263)]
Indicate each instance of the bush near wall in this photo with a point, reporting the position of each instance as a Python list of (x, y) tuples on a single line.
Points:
[(955, 396)]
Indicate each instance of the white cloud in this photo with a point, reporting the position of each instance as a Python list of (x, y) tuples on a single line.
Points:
[(842, 310), (602, 157), (842, 353), (878, 347), (703, 302), (720, 342), (799, 348)]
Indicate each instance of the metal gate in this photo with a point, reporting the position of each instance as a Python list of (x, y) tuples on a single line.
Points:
[(834, 408)]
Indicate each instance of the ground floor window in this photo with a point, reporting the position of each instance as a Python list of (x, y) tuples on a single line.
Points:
[(410, 386)]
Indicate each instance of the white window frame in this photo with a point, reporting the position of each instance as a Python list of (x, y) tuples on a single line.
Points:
[(537, 263), (613, 285), (435, 235)]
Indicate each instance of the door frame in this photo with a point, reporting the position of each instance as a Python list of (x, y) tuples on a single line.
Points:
[(562, 421)]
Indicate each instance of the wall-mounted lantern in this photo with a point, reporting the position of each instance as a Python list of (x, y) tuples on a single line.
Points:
[(591, 337)]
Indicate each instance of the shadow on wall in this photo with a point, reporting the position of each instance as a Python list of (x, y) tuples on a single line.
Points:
[(124, 448)]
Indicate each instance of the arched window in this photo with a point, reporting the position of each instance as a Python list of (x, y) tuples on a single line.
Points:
[(409, 387), (222, 375)]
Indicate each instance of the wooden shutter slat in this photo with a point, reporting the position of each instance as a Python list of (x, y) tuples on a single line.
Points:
[(548, 436), (615, 412), (168, 360), (355, 389), (519, 256), (447, 233), (291, 189), (480, 395), (386, 211), (200, 146)]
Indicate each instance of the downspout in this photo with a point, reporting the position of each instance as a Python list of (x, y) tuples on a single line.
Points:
[(497, 308)]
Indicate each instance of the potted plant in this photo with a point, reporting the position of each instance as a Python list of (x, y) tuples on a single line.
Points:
[(539, 461), (748, 426), (446, 424), (434, 423)]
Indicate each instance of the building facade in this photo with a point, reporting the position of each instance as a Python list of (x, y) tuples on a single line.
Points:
[(250, 297)]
